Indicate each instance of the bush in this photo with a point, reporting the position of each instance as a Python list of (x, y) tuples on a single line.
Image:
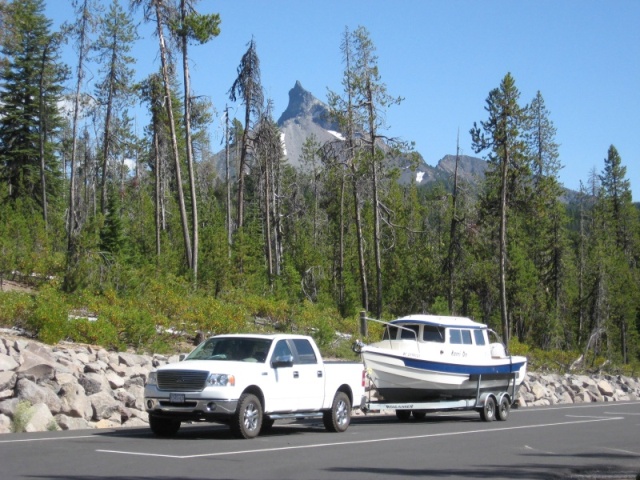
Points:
[(49, 318), (15, 309), (21, 416)]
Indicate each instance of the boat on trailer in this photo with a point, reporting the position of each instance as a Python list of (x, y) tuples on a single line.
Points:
[(434, 362)]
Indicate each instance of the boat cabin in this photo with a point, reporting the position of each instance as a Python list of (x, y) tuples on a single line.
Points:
[(440, 329)]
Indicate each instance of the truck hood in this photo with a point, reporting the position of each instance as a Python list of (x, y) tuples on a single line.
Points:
[(217, 366)]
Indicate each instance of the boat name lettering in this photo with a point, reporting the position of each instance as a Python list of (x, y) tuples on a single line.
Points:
[(411, 354), (458, 354)]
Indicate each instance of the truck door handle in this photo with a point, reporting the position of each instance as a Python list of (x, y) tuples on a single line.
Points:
[(296, 375), (319, 373)]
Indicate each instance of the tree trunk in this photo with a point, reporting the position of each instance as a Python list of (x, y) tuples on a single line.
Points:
[(503, 250), (174, 139), (187, 126)]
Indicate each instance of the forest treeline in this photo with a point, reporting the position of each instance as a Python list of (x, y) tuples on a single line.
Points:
[(158, 230)]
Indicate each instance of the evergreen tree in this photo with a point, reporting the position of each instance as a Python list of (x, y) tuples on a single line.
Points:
[(30, 87), (508, 170), (248, 88)]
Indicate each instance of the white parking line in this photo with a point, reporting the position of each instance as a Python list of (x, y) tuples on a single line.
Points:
[(622, 451), (356, 442), (45, 439)]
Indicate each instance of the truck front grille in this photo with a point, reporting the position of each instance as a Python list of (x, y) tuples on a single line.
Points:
[(182, 380)]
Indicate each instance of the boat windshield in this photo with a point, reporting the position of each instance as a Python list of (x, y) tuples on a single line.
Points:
[(232, 348), (431, 333), (404, 332)]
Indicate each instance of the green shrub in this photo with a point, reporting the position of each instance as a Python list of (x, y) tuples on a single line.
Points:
[(49, 318), (21, 416), (15, 308)]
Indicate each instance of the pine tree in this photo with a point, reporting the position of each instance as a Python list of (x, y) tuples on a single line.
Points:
[(114, 92), (30, 87), (501, 135)]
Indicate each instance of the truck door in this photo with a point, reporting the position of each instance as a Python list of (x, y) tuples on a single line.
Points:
[(309, 375), (281, 394)]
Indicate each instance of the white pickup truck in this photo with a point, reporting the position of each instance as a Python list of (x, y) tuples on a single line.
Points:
[(249, 381)]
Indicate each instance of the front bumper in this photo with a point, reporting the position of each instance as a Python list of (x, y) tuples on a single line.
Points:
[(197, 405)]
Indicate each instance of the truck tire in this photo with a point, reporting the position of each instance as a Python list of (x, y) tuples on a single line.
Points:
[(163, 427), (338, 418), (247, 419)]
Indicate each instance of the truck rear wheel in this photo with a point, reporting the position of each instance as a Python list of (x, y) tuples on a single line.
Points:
[(247, 419), (163, 427), (338, 418)]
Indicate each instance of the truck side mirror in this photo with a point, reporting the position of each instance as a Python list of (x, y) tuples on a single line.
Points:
[(283, 361), (182, 356)]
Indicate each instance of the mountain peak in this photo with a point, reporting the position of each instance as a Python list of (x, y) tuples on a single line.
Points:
[(302, 103)]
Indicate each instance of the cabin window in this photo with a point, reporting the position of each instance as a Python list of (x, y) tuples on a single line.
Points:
[(460, 336), (432, 334), (455, 337), (306, 355), (479, 335), (409, 332)]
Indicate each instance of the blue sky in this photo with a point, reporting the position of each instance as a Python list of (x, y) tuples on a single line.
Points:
[(443, 57)]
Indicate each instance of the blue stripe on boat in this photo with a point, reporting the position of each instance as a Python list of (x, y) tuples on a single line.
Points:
[(457, 369)]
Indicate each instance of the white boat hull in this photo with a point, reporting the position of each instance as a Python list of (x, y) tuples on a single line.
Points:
[(410, 379)]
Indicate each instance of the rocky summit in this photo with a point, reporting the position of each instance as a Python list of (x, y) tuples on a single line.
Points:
[(70, 386)]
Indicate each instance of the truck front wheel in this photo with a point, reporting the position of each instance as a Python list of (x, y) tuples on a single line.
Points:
[(247, 419), (338, 418), (163, 427)]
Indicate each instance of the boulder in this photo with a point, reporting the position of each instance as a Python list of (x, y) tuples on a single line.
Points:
[(36, 394), (71, 423), (93, 383), (605, 388), (132, 359), (104, 405), (7, 363), (41, 419), (75, 401), (5, 424), (7, 380)]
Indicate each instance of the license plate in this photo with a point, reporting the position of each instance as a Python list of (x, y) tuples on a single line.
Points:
[(176, 397)]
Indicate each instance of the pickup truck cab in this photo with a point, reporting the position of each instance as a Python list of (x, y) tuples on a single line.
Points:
[(248, 381)]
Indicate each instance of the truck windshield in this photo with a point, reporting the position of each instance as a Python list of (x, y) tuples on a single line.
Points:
[(231, 348)]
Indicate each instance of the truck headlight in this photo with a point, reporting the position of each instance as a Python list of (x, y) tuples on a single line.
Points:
[(152, 379), (221, 380)]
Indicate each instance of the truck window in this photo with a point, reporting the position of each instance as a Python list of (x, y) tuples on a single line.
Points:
[(282, 349), (431, 333), (479, 336), (305, 351)]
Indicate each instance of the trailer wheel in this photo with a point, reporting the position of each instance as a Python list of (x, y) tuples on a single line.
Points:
[(502, 413), (338, 418), (488, 411), (419, 414), (403, 415), (163, 427), (247, 419)]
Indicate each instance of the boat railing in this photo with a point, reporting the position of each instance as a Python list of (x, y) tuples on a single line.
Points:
[(364, 330)]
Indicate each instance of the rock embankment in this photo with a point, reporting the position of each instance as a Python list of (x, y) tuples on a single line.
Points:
[(77, 386)]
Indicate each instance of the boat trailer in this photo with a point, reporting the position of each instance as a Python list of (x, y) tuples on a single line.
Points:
[(491, 405)]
